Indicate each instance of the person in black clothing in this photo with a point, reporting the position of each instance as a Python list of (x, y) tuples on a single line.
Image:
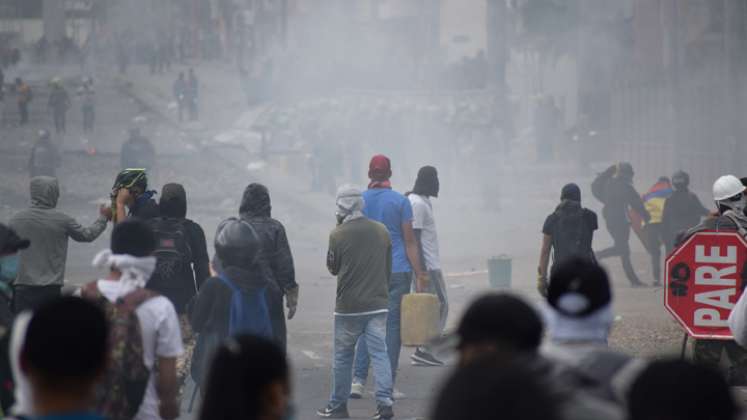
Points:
[(567, 232), (237, 252), (137, 152), (172, 219), (276, 256), (130, 191), (614, 188), (45, 158), (682, 210)]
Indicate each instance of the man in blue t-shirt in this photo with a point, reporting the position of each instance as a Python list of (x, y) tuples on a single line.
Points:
[(391, 208)]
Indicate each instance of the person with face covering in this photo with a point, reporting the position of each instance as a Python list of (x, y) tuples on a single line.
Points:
[(567, 232), (275, 256), (424, 226), (619, 196), (394, 210), (729, 197), (41, 267), (360, 255)]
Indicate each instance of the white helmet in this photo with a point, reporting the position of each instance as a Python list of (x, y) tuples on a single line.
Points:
[(727, 186), (728, 191)]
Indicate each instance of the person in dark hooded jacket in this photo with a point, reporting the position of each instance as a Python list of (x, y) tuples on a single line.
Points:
[(619, 197), (682, 210), (567, 232), (237, 252), (276, 257), (173, 221)]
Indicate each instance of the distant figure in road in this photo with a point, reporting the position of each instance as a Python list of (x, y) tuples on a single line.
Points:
[(87, 104), (682, 210), (180, 94), (360, 255), (193, 95), (137, 152), (41, 269), (614, 188), (45, 158), (59, 103), (23, 98)]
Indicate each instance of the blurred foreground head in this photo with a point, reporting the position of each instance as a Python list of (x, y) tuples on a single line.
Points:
[(492, 389), (580, 300), (680, 390), (502, 325), (65, 350), (248, 379)]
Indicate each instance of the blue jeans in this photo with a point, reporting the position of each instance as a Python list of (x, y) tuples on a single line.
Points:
[(399, 285), (370, 329)]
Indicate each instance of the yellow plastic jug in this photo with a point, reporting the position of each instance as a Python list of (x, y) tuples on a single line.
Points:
[(420, 318)]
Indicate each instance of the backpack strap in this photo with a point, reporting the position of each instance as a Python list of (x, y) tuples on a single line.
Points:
[(231, 285)]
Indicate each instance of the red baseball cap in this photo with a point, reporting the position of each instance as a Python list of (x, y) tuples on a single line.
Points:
[(380, 168)]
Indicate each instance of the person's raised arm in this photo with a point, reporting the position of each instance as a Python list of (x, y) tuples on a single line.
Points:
[(89, 233)]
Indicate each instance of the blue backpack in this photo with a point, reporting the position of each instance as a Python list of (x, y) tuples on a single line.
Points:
[(249, 313)]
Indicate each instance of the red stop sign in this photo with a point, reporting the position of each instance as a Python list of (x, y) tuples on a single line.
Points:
[(704, 279)]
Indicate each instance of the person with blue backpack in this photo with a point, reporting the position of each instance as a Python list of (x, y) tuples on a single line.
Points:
[(234, 301)]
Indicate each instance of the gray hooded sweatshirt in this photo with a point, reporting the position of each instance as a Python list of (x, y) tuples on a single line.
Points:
[(43, 263)]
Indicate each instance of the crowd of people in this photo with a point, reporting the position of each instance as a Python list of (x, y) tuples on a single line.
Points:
[(164, 311)]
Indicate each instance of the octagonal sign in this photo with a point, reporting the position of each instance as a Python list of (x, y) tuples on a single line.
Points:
[(704, 278)]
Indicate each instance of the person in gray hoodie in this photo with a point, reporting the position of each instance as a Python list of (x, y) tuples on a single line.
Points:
[(41, 267)]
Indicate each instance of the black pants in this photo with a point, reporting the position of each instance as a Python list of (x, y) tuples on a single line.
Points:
[(277, 318), (31, 297), (59, 121), (655, 239), (621, 248), (23, 110)]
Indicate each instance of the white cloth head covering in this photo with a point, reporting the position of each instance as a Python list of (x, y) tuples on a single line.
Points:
[(349, 203), (135, 270)]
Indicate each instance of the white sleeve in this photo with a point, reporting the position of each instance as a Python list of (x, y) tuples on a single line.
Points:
[(738, 321), (169, 340), (419, 213)]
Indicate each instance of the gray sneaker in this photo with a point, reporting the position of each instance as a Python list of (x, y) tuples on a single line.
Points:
[(384, 412)]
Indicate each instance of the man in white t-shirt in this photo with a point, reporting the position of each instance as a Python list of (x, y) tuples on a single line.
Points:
[(424, 225), (131, 264)]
